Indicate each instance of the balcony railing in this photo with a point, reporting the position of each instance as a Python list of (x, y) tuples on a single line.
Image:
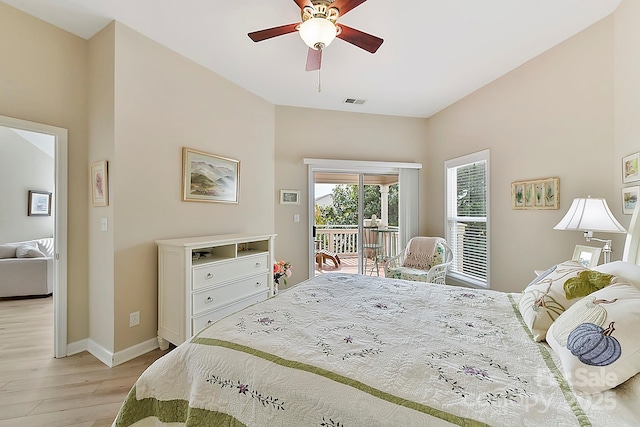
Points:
[(343, 240)]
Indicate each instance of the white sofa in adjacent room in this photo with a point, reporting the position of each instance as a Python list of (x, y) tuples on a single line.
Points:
[(26, 268)]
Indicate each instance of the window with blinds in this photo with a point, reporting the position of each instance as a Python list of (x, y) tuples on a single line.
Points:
[(467, 210)]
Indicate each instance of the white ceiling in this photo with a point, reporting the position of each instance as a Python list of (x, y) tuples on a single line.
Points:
[(434, 52)]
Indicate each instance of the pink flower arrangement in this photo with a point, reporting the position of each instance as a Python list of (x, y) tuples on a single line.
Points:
[(281, 270)]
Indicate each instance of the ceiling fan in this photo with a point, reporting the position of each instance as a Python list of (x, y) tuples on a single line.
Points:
[(319, 27)]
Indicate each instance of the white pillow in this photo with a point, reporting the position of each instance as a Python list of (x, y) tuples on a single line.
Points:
[(554, 291), (7, 251), (28, 250), (597, 338), (624, 271)]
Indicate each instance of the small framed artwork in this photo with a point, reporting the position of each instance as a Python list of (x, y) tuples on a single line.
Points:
[(629, 199), (536, 194), (630, 171), (289, 197), (39, 203), (586, 255), (209, 178), (99, 184)]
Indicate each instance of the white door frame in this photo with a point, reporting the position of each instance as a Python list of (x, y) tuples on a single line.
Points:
[(59, 228)]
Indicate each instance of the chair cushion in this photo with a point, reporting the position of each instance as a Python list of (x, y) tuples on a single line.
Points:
[(422, 253), (407, 273)]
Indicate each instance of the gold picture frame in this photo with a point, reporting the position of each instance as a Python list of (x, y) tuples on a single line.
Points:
[(209, 178), (538, 194)]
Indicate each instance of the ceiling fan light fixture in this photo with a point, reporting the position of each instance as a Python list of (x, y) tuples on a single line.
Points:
[(317, 33)]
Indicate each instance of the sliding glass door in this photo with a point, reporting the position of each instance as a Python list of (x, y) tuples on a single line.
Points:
[(346, 196), (355, 222)]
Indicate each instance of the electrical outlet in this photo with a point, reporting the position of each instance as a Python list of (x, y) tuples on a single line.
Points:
[(134, 319)]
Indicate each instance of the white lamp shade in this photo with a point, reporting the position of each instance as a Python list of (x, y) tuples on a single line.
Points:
[(317, 30), (590, 215)]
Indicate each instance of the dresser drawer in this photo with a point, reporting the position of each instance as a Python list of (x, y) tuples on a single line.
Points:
[(222, 271), (208, 318), (229, 291)]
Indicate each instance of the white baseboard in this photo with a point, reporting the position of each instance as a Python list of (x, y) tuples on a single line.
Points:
[(101, 353), (77, 347), (108, 358), (135, 351)]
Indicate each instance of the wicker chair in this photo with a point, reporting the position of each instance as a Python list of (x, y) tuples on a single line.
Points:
[(435, 271)]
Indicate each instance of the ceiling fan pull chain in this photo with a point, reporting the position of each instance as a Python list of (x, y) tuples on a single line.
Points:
[(319, 82)]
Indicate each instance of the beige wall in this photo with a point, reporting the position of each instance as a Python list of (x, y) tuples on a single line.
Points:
[(627, 88), (553, 116), (309, 133), (164, 102), (101, 147), (43, 79), (23, 167)]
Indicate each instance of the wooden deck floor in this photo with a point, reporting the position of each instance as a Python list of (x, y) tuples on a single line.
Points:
[(349, 265)]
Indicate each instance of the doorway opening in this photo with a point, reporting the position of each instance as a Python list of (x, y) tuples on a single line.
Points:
[(53, 142), (350, 236)]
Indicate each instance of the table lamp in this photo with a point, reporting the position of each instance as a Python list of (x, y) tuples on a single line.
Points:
[(589, 215)]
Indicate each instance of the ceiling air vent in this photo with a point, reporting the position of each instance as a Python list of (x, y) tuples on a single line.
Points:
[(354, 101)]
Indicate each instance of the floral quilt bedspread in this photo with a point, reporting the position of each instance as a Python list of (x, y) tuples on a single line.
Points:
[(348, 350)]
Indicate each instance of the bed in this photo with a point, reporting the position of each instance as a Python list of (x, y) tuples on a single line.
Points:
[(347, 350)]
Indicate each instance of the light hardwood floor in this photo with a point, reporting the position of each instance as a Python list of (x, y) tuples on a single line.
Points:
[(38, 390)]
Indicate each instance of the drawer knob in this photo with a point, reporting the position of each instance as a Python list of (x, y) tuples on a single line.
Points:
[(208, 300), (209, 322), (258, 284), (209, 276), (258, 264)]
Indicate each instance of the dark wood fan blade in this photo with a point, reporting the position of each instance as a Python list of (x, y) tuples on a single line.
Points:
[(258, 36), (314, 60), (302, 3), (361, 39), (345, 6)]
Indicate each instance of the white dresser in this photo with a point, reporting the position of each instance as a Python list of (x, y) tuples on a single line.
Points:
[(203, 279)]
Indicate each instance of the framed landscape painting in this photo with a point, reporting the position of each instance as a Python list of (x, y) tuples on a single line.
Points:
[(209, 178)]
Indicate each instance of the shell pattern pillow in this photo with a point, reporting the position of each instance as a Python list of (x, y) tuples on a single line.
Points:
[(597, 338), (554, 291)]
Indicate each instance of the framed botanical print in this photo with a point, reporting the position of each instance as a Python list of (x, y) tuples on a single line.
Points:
[(536, 194)]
